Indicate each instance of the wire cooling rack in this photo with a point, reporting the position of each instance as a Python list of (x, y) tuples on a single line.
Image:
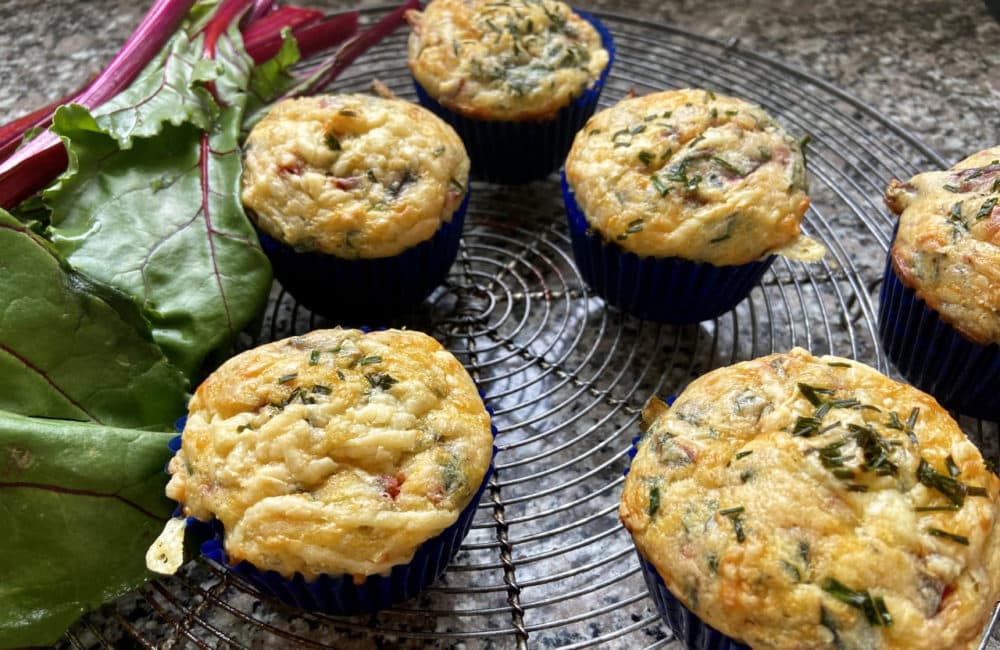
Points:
[(547, 563)]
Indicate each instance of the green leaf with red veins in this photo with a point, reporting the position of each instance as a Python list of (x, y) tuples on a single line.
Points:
[(73, 349), (168, 91), (162, 221), (81, 502)]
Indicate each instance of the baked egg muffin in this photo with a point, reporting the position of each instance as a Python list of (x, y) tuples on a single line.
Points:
[(947, 245), (692, 174), (354, 176), (795, 501), (333, 453), (513, 60)]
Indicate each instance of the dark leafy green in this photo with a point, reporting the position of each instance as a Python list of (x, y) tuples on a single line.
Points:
[(80, 503), (71, 348), (162, 220)]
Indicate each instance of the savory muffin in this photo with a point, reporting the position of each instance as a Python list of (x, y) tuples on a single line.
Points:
[(691, 174), (336, 452), (354, 176), (947, 247), (504, 59), (798, 502)]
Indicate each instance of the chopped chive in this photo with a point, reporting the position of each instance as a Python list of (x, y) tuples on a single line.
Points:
[(314, 357), (637, 130), (646, 157), (946, 485), (365, 361), (730, 113), (654, 500), (371, 176), (284, 379), (952, 468), (823, 409), (743, 454), (456, 184), (439, 151), (986, 208), (382, 380), (937, 532), (956, 211), (812, 393), (894, 422), (340, 375), (950, 188), (854, 487), (714, 113), (874, 609), (951, 507), (975, 491), (321, 389), (726, 512), (838, 364), (660, 186), (912, 420), (709, 96), (843, 473), (594, 132), (728, 166), (332, 142), (806, 427)]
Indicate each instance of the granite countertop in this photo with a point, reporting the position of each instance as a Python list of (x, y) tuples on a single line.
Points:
[(931, 66)]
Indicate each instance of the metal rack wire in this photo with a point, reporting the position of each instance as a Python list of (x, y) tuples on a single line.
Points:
[(547, 563)]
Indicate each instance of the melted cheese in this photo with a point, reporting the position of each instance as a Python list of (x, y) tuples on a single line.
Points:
[(504, 59), (841, 500), (691, 174), (336, 452), (948, 244), (353, 175)]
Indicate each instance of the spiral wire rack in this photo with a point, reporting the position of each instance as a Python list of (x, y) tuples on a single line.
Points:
[(547, 563)]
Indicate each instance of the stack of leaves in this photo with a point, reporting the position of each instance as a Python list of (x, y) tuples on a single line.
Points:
[(123, 281)]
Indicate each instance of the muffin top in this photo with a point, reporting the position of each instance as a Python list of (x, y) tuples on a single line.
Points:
[(504, 59), (335, 452), (692, 174), (947, 247), (801, 502), (353, 175)]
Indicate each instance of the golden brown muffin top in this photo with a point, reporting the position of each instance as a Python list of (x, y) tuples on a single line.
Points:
[(335, 452), (692, 174), (801, 502), (947, 247), (353, 175), (504, 59)]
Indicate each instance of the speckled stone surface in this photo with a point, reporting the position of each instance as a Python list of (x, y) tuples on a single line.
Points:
[(566, 375)]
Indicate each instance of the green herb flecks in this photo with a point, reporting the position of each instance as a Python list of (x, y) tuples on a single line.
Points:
[(954, 490), (320, 389), (367, 361), (730, 227), (950, 188), (987, 208), (660, 186), (874, 608), (332, 142), (284, 379), (743, 454), (646, 157), (812, 393), (735, 515), (951, 507), (806, 426), (456, 184), (838, 364), (633, 227), (381, 380), (314, 357), (875, 449), (959, 539), (654, 500)]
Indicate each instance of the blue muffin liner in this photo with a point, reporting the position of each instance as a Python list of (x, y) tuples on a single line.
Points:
[(669, 290), (693, 632), (933, 356), (363, 290), (516, 152), (340, 595)]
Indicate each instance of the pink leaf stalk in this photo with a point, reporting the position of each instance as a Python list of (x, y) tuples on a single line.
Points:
[(33, 166)]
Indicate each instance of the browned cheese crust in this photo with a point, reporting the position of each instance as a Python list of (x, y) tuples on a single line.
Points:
[(800, 502), (948, 245)]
